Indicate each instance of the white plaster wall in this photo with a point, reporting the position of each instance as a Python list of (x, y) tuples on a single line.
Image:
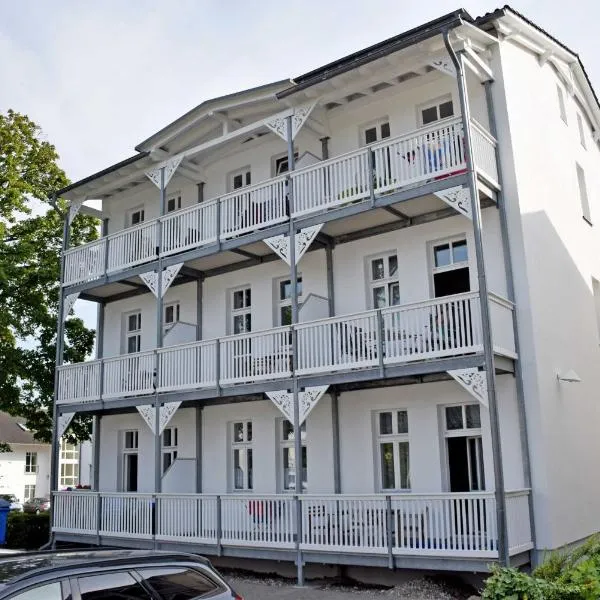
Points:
[(13, 478), (555, 257), (85, 463)]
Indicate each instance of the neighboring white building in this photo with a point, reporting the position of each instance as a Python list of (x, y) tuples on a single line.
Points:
[(25, 470), (438, 401)]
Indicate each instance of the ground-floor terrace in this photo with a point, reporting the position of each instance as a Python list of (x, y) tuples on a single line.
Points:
[(392, 476)]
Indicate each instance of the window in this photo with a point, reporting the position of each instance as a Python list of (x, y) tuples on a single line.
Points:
[(383, 281), (439, 109), (288, 456), (375, 132), (112, 585), (561, 103), (240, 179), (69, 464), (281, 164), (68, 451), (393, 450), (135, 216), (241, 455), (29, 493), (179, 583), (171, 315), (31, 465), (169, 447), (581, 128), (130, 442), (284, 290), (174, 203), (133, 341), (583, 195), (241, 310), (52, 591), (462, 429), (450, 268)]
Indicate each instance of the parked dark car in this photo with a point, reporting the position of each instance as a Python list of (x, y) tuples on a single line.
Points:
[(36, 505), (106, 574)]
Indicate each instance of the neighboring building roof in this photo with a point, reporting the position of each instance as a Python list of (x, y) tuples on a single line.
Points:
[(13, 430)]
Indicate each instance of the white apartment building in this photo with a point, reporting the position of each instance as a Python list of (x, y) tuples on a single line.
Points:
[(380, 279)]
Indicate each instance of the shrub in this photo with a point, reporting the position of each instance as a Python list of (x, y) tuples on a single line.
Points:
[(27, 531), (573, 575)]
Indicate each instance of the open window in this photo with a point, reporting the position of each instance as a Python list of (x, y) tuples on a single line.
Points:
[(450, 268)]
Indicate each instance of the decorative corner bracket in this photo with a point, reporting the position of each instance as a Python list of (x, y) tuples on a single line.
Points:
[(170, 166), (147, 413), (168, 276), (74, 209), (458, 198), (68, 303), (308, 399), (280, 244), (166, 411), (277, 123), (474, 381), (64, 420)]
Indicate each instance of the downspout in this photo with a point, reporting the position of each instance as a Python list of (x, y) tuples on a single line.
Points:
[(488, 349)]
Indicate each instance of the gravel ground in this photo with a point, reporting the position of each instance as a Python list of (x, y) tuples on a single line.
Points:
[(259, 588)]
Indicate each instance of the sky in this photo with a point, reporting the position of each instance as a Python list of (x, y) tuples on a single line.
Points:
[(100, 77)]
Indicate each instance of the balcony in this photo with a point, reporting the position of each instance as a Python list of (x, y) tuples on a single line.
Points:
[(456, 525), (376, 339), (429, 154)]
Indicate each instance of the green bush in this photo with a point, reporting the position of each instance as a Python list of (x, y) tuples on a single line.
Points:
[(27, 531), (571, 575)]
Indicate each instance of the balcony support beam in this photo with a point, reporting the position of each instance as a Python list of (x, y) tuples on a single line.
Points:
[(335, 438), (396, 213), (488, 348)]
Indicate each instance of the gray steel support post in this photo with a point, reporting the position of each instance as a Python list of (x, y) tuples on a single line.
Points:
[(335, 428), (96, 447), (330, 288), (200, 190), (198, 411), (295, 387), (106, 249), (199, 299), (159, 339), (488, 349), (510, 288), (60, 342), (324, 147)]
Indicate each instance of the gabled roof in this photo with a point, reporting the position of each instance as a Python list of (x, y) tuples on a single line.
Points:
[(13, 430)]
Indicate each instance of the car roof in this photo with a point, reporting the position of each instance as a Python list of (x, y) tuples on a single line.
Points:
[(19, 567)]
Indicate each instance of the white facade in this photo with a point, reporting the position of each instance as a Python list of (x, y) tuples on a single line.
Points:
[(392, 432), (25, 472)]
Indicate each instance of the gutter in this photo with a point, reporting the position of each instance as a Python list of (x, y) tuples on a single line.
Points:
[(352, 61)]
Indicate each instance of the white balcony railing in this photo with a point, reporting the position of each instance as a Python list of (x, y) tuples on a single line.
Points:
[(442, 524), (440, 328), (430, 153)]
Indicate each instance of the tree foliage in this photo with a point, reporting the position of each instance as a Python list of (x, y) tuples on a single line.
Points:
[(30, 244)]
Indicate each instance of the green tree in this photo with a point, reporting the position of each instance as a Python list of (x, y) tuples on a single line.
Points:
[(30, 246)]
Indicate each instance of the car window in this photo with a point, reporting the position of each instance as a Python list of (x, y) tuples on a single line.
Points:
[(112, 586), (179, 583), (43, 592)]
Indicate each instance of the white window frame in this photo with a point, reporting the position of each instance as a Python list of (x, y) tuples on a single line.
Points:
[(245, 453), (69, 456), (175, 197), (137, 333), (287, 444), (282, 303), (584, 198), (396, 438), (581, 128), (454, 265), (134, 449), (464, 432), (377, 124), (386, 282), (31, 462), (169, 451), (435, 102), (239, 312), (245, 172), (176, 306), (31, 495), (132, 211), (562, 105), (281, 158)]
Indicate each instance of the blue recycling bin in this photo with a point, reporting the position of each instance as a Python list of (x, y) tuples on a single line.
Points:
[(4, 510)]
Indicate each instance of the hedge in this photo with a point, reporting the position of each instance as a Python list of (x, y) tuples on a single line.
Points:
[(27, 531)]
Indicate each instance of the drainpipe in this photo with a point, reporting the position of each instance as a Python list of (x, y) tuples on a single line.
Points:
[(488, 349), (510, 287)]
